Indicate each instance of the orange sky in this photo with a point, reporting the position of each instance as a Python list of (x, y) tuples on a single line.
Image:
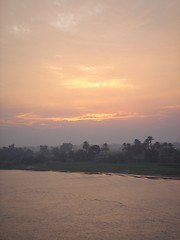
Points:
[(99, 64)]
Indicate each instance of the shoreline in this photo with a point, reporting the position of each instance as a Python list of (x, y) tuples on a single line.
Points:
[(121, 174), (155, 170)]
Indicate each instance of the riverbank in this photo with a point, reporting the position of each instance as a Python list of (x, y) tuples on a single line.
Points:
[(153, 169)]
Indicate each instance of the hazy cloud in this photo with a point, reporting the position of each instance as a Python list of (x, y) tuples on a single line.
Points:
[(64, 22), (20, 29), (69, 19), (171, 107)]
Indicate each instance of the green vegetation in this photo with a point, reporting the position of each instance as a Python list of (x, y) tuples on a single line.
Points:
[(137, 158)]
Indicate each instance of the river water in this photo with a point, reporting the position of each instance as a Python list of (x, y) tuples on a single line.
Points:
[(77, 206)]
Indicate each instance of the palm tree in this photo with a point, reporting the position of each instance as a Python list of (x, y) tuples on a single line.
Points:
[(86, 146), (148, 142)]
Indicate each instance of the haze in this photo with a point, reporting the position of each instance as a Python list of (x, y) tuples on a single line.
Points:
[(76, 70)]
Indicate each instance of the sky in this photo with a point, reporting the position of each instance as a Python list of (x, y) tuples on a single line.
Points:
[(95, 70)]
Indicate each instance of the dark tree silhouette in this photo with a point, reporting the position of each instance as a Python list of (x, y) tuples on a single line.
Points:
[(80, 155), (86, 146), (137, 143), (126, 147), (164, 153), (66, 147), (138, 147), (157, 146), (148, 142), (105, 148), (56, 153), (94, 150), (44, 150)]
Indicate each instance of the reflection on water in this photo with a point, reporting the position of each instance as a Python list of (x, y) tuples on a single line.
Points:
[(66, 206)]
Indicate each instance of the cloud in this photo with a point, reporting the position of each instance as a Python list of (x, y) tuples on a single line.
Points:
[(88, 83), (59, 2), (67, 20), (95, 69), (64, 22), (171, 107), (20, 29), (53, 67), (31, 119), (87, 69), (56, 70), (38, 120)]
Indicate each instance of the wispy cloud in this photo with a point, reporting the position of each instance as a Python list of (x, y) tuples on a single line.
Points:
[(64, 22), (95, 69), (31, 119), (88, 83), (59, 3), (56, 70), (53, 67), (171, 107), (67, 20), (87, 68), (20, 29)]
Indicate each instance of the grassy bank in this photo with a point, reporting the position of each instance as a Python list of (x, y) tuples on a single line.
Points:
[(96, 167)]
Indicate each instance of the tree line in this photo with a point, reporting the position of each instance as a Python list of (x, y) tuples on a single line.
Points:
[(147, 151)]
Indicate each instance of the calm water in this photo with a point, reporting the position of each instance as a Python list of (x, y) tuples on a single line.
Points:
[(53, 205)]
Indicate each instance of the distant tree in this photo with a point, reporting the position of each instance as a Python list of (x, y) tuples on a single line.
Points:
[(40, 158), (115, 158), (11, 147), (80, 155), (105, 148), (126, 147), (165, 145), (44, 150), (168, 146), (56, 153), (138, 147), (157, 146), (148, 142), (151, 155), (167, 152), (28, 156), (86, 146), (137, 142), (63, 157), (171, 146), (95, 148), (66, 147), (93, 151)]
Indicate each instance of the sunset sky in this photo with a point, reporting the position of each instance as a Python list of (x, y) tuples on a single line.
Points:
[(95, 70)]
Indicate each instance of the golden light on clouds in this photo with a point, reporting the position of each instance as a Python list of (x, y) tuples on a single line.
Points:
[(87, 83), (30, 118)]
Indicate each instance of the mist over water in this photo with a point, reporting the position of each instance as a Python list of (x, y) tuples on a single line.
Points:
[(71, 206)]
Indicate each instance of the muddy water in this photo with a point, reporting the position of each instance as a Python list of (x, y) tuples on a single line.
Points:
[(76, 206)]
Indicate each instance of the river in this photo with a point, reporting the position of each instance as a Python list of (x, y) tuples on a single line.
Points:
[(77, 206)]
